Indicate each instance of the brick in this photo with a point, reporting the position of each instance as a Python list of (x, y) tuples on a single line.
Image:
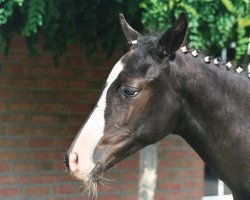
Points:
[(77, 120), (165, 163), (4, 167), (53, 83), (193, 163), (160, 196), (105, 188), (24, 198), (78, 84), (2, 107), (25, 167), (14, 70), (44, 179), (7, 156), (22, 82), (191, 173), (96, 84), (71, 96), (5, 94), (7, 180), (128, 165), (75, 49), (124, 186), (93, 96), (43, 119), (170, 186), (72, 130), (177, 154), (21, 95), (39, 71), (12, 118), (3, 81), (24, 180), (53, 108), (40, 143), (22, 106), (61, 73), (168, 175), (65, 178), (3, 57), (43, 95), (22, 131), (66, 189), (130, 197), (61, 143), (109, 197), (178, 195), (35, 191), (46, 59), (97, 74), (71, 198), (80, 108), (76, 61), (193, 184), (129, 175), (166, 143), (48, 131), (59, 166), (21, 57), (10, 143), (18, 44), (194, 154), (47, 155), (46, 166), (9, 192)]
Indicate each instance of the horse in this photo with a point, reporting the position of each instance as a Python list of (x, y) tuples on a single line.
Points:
[(161, 87)]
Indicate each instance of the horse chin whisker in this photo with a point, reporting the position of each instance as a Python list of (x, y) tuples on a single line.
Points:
[(103, 184), (106, 180), (89, 187)]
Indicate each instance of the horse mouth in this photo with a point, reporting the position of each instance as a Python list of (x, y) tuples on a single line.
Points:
[(89, 181)]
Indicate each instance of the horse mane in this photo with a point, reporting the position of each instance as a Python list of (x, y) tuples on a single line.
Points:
[(151, 42)]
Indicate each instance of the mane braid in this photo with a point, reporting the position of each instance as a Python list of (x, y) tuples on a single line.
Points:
[(216, 61)]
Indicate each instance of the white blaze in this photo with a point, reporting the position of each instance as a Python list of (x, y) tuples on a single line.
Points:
[(90, 134)]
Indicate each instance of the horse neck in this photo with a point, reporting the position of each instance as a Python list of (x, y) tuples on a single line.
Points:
[(215, 113)]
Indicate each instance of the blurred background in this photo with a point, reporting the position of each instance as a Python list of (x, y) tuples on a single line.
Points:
[(55, 57)]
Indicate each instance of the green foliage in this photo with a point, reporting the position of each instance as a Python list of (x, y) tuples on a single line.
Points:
[(35, 17), (213, 24), (63, 22)]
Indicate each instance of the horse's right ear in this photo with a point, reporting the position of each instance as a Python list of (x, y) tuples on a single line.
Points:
[(128, 31)]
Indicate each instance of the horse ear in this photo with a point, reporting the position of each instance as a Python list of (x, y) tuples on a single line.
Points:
[(128, 31), (174, 37)]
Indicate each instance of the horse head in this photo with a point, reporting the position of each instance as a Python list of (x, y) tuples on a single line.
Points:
[(137, 107)]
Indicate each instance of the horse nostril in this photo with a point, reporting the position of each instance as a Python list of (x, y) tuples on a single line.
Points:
[(66, 161), (73, 161)]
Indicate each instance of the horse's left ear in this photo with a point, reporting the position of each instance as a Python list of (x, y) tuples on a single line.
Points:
[(128, 31), (174, 37)]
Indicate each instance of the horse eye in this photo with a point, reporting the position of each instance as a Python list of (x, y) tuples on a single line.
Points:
[(129, 91)]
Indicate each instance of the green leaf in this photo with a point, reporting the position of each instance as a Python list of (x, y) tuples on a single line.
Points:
[(189, 9), (244, 22), (228, 4)]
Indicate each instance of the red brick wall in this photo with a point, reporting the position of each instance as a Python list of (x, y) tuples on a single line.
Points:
[(41, 109), (180, 171)]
